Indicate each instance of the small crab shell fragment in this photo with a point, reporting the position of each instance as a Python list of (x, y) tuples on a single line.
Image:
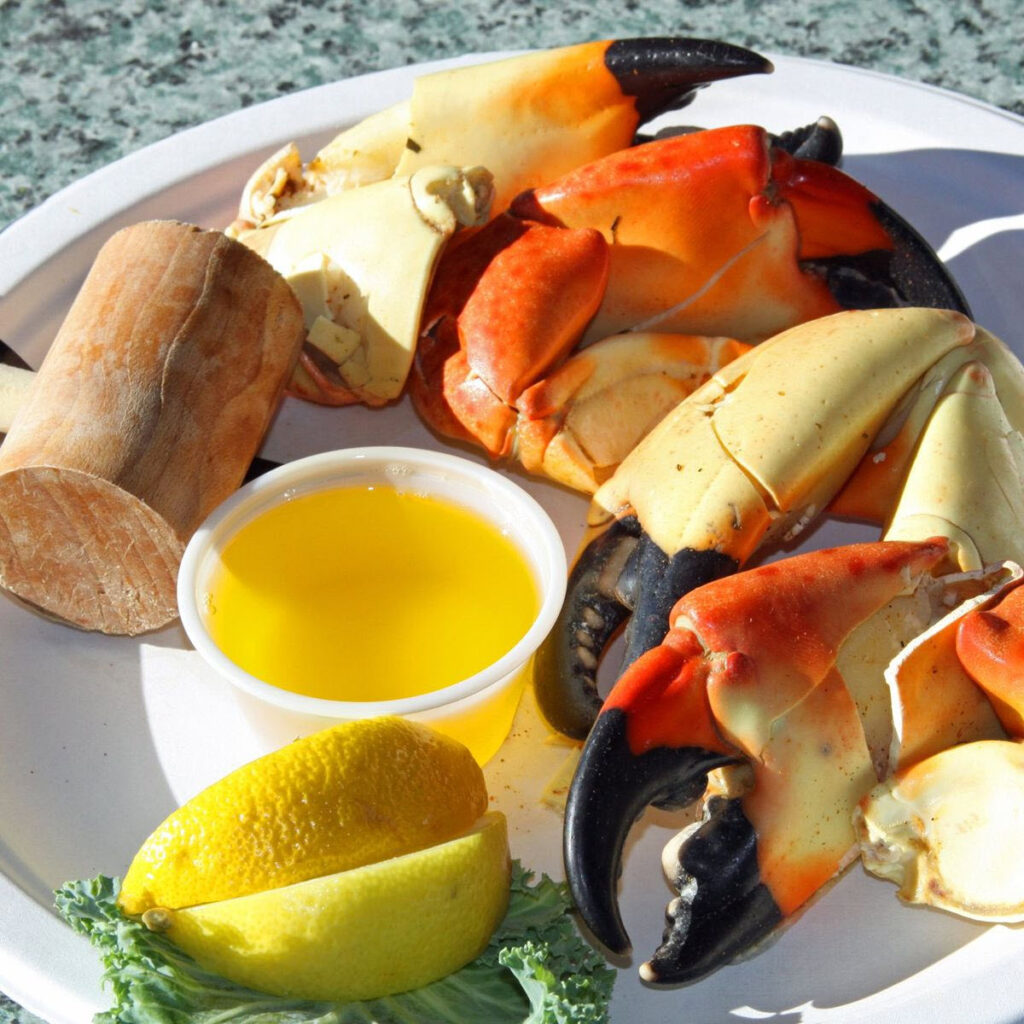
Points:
[(867, 652), (963, 421), (935, 703), (949, 830), (363, 154), (367, 152), (901, 668), (361, 263), (269, 188)]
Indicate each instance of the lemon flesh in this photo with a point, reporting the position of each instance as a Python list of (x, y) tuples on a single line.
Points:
[(359, 934), (355, 794)]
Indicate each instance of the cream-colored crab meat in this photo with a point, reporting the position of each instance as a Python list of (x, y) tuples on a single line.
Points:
[(361, 262)]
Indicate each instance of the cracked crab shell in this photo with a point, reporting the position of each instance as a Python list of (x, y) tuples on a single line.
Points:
[(361, 263), (529, 118), (533, 117), (525, 133), (705, 478), (970, 439), (853, 368), (948, 831)]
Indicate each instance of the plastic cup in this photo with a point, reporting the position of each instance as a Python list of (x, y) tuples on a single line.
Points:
[(477, 710)]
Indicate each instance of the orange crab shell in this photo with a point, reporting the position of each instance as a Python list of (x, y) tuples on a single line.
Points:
[(508, 303), (990, 645), (708, 230)]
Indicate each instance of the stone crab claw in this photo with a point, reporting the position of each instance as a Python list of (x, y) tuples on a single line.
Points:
[(840, 680), (725, 231), (527, 118), (721, 237), (781, 669), (750, 458)]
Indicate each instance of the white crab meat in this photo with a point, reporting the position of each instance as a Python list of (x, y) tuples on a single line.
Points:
[(361, 263)]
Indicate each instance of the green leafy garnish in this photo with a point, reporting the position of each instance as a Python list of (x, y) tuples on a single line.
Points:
[(536, 970)]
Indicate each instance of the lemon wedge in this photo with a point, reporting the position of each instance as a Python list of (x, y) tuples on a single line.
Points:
[(352, 864), (354, 794), (359, 934)]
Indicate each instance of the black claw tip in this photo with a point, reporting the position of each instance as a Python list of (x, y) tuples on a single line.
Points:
[(723, 909), (910, 274), (658, 581), (663, 73), (621, 571), (920, 277), (821, 141), (611, 789)]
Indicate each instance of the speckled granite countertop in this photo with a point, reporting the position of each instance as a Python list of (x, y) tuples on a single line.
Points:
[(84, 82)]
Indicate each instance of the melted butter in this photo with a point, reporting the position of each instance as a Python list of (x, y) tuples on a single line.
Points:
[(369, 593)]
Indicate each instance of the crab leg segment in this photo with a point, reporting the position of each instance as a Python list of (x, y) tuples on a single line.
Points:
[(973, 435), (970, 431), (747, 672), (527, 118), (751, 456)]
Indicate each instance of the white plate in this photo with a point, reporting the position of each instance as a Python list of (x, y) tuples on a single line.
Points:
[(100, 737)]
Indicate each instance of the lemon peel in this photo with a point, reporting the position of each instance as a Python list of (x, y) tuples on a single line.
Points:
[(355, 794)]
